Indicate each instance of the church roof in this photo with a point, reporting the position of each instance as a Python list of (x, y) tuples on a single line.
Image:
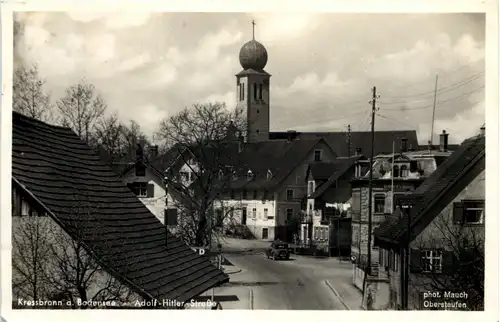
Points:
[(63, 175), (359, 140)]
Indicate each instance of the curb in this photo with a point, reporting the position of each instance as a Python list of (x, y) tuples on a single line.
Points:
[(235, 272), (250, 299), (337, 295)]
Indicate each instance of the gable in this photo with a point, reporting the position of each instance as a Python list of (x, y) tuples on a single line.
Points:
[(86, 198), (443, 225)]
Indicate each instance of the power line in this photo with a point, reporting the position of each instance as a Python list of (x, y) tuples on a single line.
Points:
[(444, 89), (439, 104)]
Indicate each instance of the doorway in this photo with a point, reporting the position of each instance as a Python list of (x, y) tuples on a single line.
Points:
[(265, 233), (244, 216)]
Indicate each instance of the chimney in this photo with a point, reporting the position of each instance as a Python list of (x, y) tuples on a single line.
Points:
[(154, 151), (358, 151), (291, 134), (404, 145), (139, 152), (443, 141), (483, 130)]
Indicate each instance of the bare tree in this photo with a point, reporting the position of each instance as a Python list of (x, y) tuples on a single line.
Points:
[(81, 108), (31, 248), (29, 96), (133, 136), (461, 267), (109, 135), (52, 265), (203, 135)]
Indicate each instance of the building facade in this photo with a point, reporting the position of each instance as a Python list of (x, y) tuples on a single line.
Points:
[(393, 175), (446, 252)]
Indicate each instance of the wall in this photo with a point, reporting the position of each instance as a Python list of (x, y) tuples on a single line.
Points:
[(51, 237), (256, 225), (256, 121), (297, 181), (155, 204)]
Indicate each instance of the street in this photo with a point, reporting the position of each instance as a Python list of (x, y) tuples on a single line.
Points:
[(295, 284)]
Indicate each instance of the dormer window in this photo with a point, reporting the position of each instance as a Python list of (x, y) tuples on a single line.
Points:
[(395, 171), (269, 175), (317, 155), (249, 175), (404, 171)]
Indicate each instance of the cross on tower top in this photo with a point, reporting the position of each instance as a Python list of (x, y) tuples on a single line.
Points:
[(253, 29)]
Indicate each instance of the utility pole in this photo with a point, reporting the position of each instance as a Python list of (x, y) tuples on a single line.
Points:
[(348, 140), (434, 109), (373, 103)]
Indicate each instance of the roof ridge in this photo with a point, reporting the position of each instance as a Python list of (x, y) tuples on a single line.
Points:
[(445, 189), (32, 119)]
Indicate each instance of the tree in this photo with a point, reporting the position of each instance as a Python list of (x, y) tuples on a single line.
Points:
[(81, 108), (133, 136), (461, 248), (49, 264), (109, 136), (29, 96), (31, 248), (204, 138)]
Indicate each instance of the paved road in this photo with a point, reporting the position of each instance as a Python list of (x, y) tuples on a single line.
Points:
[(281, 285)]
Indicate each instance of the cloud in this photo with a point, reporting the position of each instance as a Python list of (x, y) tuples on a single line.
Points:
[(135, 62), (460, 127), (117, 20), (323, 65), (210, 46), (272, 27)]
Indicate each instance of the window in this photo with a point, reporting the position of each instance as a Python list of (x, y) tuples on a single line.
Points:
[(269, 175), (394, 203), (316, 233), (432, 261), (254, 213), (255, 195), (244, 194), (404, 171), (184, 175), (140, 170), (289, 194), (310, 188), (249, 175), (142, 189), (242, 91), (317, 155), (254, 91), (468, 212), (220, 175), (265, 213), (378, 204), (289, 214), (395, 171), (260, 91)]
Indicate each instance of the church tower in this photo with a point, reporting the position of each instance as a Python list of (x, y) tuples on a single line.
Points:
[(253, 90)]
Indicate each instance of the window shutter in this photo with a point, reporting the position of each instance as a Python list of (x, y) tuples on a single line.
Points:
[(448, 263), (151, 190), (415, 261), (458, 212), (171, 216)]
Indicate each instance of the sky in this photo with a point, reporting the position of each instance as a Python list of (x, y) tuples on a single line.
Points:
[(148, 66)]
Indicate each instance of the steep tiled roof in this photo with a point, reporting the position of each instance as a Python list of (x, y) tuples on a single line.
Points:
[(450, 174), (340, 166), (88, 200), (362, 140), (278, 157), (322, 170)]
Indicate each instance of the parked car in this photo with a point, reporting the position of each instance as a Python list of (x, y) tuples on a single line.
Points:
[(277, 250)]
